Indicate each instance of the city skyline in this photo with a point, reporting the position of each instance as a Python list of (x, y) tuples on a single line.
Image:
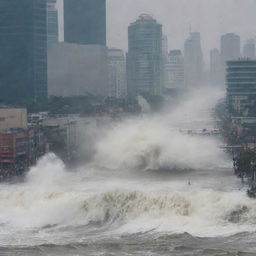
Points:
[(177, 20)]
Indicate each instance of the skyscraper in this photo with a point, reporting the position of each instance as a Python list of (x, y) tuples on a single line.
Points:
[(249, 49), (230, 47), (215, 67), (174, 70), (116, 74), (23, 51), (82, 59), (229, 50), (193, 60), (52, 22), (85, 21), (144, 59)]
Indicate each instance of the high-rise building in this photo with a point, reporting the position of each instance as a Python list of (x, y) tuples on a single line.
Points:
[(85, 21), (174, 70), (193, 57), (215, 67), (230, 47), (241, 85), (229, 50), (144, 58), (52, 22), (116, 74), (82, 59), (249, 49), (77, 69), (23, 51)]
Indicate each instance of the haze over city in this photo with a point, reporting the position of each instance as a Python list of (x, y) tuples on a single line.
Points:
[(210, 17)]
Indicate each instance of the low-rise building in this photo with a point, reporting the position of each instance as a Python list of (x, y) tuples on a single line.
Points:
[(18, 151), (13, 118), (65, 135), (20, 143)]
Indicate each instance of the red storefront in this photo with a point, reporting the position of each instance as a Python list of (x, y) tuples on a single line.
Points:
[(14, 152), (7, 148)]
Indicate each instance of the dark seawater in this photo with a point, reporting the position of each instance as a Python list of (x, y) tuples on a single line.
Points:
[(145, 244)]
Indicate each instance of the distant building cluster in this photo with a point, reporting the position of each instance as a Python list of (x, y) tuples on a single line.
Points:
[(35, 65), (82, 80), (237, 69)]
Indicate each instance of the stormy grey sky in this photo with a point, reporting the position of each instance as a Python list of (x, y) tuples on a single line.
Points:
[(210, 17)]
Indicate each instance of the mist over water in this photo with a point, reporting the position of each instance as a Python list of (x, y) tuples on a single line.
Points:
[(135, 185)]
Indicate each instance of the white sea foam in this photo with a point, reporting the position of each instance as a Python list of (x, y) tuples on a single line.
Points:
[(198, 212), (155, 141)]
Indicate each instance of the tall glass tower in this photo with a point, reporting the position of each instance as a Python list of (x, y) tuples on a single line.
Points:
[(23, 51), (144, 59)]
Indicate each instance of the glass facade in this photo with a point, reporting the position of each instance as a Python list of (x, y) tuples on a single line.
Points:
[(144, 59), (23, 51)]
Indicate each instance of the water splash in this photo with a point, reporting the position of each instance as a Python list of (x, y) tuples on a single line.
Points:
[(155, 142)]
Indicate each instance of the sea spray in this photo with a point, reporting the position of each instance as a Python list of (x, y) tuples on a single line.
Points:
[(156, 142)]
